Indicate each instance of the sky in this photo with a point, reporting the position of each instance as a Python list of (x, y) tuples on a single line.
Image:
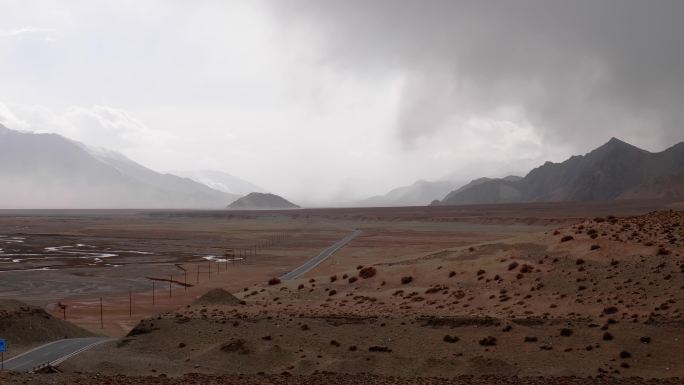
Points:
[(328, 101)]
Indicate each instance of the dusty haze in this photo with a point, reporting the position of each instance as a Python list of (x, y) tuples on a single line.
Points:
[(327, 101)]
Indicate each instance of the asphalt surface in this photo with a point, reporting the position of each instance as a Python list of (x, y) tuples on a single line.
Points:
[(52, 353), (315, 261)]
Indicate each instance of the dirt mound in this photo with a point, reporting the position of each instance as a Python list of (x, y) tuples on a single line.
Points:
[(217, 297), (23, 325)]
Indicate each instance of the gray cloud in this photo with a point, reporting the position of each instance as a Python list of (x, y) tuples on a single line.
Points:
[(30, 32), (345, 99), (579, 71)]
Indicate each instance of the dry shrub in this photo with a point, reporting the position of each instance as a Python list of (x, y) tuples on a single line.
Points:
[(488, 341), (382, 349), (450, 339), (367, 272), (236, 345)]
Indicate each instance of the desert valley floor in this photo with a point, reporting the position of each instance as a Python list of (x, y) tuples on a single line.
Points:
[(528, 293)]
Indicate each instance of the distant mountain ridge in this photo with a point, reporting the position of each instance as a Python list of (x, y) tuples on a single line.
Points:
[(615, 170), (262, 201), (419, 193), (51, 171), (222, 181)]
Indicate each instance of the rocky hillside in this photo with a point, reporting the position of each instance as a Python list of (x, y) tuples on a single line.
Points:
[(616, 170)]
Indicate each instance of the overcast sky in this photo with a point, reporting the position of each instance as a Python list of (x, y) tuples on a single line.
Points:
[(325, 101)]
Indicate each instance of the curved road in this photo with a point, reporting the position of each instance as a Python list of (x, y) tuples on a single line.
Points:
[(52, 353), (315, 261)]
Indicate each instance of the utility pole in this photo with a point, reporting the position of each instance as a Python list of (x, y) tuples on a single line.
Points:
[(170, 283), (63, 307), (185, 281), (130, 303), (101, 317), (153, 292)]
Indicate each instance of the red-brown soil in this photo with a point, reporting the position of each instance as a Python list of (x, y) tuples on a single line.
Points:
[(527, 305), (423, 295), (316, 379)]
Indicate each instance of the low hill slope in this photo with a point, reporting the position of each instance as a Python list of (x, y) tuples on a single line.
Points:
[(24, 326), (217, 297), (262, 201)]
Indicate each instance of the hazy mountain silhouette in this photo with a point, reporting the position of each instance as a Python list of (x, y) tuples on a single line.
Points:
[(486, 190), (616, 170), (419, 193), (51, 171), (261, 201), (222, 181)]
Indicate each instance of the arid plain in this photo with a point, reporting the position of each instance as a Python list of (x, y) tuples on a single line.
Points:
[(504, 291)]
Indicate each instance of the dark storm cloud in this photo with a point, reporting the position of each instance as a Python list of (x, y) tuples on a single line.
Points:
[(580, 71)]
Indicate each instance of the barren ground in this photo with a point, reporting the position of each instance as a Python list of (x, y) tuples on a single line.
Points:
[(508, 291)]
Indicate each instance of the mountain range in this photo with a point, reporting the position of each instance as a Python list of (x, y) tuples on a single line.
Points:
[(51, 171), (615, 170)]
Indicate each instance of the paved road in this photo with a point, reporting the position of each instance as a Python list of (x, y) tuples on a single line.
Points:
[(52, 353), (57, 352), (315, 261)]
